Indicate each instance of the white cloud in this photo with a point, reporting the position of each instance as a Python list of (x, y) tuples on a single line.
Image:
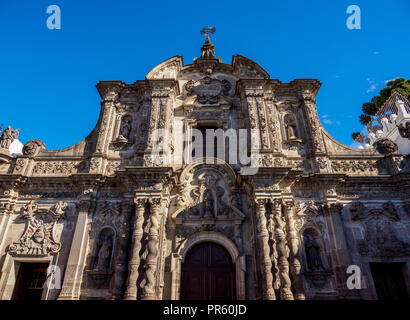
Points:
[(371, 89), (327, 121), (325, 116), (385, 81), (373, 85)]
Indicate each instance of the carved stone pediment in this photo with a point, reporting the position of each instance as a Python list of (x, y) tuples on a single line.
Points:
[(309, 214), (38, 237), (108, 214)]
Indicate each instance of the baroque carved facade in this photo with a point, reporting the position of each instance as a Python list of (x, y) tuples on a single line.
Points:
[(119, 223)]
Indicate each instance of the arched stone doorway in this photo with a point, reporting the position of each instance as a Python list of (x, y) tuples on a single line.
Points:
[(208, 273)]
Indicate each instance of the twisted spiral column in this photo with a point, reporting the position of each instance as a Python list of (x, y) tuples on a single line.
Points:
[(134, 263), (293, 243), (282, 251), (148, 292), (263, 239)]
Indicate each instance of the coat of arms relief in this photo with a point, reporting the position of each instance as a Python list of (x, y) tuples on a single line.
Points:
[(38, 238)]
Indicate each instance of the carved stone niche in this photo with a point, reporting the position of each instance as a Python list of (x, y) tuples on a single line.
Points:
[(317, 271), (38, 238), (292, 139), (101, 269), (123, 141)]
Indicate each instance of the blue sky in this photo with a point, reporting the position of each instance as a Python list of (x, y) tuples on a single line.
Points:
[(48, 77)]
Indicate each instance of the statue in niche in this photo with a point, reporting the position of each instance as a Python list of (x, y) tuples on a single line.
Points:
[(312, 250), (104, 251), (208, 202), (7, 137), (290, 126), (125, 129)]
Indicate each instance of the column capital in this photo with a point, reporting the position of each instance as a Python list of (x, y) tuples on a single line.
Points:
[(260, 203), (140, 202), (156, 203), (288, 203)]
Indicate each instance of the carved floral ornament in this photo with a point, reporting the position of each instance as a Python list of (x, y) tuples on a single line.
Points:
[(38, 237), (355, 166), (33, 147)]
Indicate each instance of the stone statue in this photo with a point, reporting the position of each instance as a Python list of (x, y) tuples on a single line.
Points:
[(290, 129), (7, 137), (125, 129), (104, 255), (208, 205), (312, 249)]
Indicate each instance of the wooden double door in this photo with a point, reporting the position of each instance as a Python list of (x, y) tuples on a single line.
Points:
[(208, 274)]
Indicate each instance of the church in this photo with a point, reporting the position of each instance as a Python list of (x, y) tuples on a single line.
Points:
[(205, 181)]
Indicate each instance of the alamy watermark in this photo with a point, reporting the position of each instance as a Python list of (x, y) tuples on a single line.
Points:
[(210, 147), (53, 277), (353, 21), (354, 281), (54, 20)]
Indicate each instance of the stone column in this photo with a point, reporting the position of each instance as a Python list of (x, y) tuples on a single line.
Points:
[(135, 259), (151, 263), (293, 243), (263, 241), (75, 263), (281, 248), (121, 256)]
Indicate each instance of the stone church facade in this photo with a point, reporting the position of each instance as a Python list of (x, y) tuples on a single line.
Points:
[(115, 223)]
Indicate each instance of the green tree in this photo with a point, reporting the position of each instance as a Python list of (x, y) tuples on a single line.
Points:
[(370, 109)]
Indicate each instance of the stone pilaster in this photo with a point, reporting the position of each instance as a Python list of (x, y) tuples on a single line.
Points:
[(316, 143), (264, 250), (75, 264), (151, 263), (340, 250), (293, 243), (135, 259), (281, 248)]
